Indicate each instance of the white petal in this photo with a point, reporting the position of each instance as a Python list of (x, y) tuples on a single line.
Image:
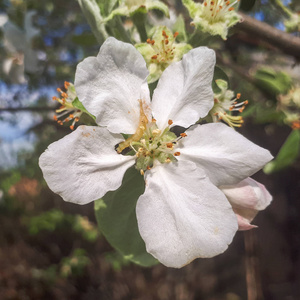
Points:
[(110, 85), (184, 93), (182, 215), (244, 223), (248, 194), (226, 156), (247, 198), (83, 166)]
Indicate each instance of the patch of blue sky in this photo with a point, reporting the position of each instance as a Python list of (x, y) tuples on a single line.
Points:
[(280, 26), (260, 16), (14, 135), (81, 28)]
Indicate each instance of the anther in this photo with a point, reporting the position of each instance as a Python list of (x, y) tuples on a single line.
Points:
[(170, 122), (170, 145), (156, 132), (168, 160), (238, 95), (175, 34), (66, 84), (142, 172), (183, 134), (176, 153)]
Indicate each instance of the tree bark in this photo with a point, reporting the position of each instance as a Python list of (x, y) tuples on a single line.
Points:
[(287, 43)]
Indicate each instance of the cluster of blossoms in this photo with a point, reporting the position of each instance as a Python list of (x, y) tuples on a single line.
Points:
[(197, 190), (213, 17)]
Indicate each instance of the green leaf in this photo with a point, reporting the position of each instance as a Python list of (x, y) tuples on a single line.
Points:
[(92, 13), (77, 104), (273, 82), (106, 6), (287, 155), (218, 74), (117, 221), (179, 26)]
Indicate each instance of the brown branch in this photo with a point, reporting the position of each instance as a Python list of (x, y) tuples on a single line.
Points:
[(253, 278), (288, 43)]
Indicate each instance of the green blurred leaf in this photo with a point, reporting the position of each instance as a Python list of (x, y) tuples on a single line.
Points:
[(287, 155), (273, 82), (74, 264), (86, 39), (246, 5), (116, 218)]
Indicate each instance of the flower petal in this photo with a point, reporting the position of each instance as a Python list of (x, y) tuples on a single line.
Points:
[(247, 198), (184, 93), (182, 215), (83, 166), (110, 85), (226, 156), (244, 224)]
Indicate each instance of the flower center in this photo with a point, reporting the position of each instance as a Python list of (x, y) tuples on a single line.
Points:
[(164, 50), (215, 11), (150, 143), (67, 111)]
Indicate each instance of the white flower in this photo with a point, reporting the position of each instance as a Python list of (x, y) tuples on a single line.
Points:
[(182, 214), (214, 17), (18, 43)]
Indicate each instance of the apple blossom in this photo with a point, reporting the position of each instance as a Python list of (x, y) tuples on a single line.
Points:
[(182, 214), (213, 17), (160, 51), (18, 43), (225, 103)]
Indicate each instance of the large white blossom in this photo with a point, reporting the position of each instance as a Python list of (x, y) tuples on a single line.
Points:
[(182, 214)]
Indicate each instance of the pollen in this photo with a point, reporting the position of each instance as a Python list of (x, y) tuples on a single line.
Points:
[(67, 112)]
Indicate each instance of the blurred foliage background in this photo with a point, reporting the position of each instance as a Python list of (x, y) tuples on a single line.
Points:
[(50, 249)]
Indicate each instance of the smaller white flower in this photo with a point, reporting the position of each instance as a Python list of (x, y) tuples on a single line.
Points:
[(182, 214), (225, 104), (214, 17), (18, 43)]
